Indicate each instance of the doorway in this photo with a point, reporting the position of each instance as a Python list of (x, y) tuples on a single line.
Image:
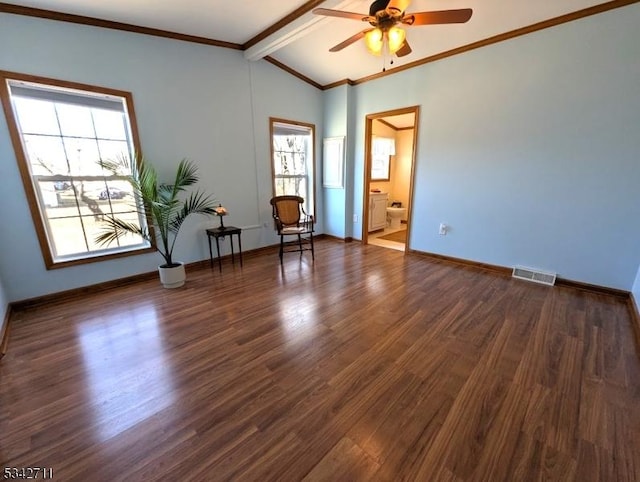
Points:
[(390, 154)]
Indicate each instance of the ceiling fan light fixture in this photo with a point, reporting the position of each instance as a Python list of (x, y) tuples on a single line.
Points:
[(374, 40), (396, 37), (389, 41)]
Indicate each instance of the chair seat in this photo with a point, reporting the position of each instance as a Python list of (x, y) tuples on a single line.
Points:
[(294, 230)]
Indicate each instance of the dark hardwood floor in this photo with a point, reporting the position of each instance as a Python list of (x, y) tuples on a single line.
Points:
[(365, 365)]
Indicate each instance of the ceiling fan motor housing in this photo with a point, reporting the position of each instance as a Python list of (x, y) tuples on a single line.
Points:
[(382, 18), (377, 6)]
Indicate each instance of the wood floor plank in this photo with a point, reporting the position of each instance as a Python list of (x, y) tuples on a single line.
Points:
[(365, 364), (504, 438), (403, 453), (345, 461), (594, 462), (533, 460), (566, 404), (461, 439)]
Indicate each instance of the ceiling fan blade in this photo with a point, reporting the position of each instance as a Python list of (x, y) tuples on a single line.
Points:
[(399, 5), (437, 17), (404, 50), (327, 12), (350, 40)]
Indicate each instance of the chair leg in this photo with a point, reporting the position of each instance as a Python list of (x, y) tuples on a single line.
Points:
[(300, 244), (311, 241), (281, 247)]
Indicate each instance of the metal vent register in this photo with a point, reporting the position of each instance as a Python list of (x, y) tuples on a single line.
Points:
[(535, 275)]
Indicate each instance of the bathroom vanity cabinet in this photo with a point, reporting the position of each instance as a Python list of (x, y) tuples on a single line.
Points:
[(377, 210)]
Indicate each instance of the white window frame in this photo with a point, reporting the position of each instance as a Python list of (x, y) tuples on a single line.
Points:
[(14, 85)]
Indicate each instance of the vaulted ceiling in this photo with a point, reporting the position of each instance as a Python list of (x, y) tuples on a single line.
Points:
[(289, 35)]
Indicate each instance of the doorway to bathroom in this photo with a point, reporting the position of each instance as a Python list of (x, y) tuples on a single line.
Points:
[(390, 147)]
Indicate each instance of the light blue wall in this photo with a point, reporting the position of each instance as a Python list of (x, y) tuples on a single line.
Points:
[(528, 149), (352, 144), (336, 111), (204, 103)]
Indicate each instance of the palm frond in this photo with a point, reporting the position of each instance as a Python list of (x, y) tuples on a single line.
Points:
[(116, 228), (186, 175), (145, 181), (197, 203), (114, 167)]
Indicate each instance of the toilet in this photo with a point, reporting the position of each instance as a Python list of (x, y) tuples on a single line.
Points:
[(395, 216)]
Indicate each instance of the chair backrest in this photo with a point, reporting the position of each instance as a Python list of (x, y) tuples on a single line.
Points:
[(287, 209)]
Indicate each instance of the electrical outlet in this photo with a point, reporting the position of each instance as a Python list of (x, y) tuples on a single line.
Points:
[(355, 218), (443, 229)]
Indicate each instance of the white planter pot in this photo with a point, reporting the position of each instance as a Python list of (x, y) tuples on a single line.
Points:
[(172, 277)]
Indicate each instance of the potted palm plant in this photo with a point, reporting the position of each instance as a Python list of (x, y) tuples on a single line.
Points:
[(165, 206)]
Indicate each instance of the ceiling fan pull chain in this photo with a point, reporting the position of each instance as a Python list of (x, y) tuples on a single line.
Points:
[(385, 50)]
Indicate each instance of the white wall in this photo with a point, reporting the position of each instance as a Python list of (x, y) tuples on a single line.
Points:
[(528, 149), (205, 103)]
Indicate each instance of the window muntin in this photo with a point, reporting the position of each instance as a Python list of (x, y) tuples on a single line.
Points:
[(292, 147), (63, 133)]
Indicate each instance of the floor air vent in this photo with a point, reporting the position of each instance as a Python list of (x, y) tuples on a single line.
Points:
[(535, 275)]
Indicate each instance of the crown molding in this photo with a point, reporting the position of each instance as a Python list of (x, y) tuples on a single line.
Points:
[(98, 22)]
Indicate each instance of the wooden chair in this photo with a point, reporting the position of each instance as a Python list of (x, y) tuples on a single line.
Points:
[(291, 220)]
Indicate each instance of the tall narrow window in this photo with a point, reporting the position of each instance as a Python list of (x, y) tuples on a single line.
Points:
[(292, 149), (61, 131)]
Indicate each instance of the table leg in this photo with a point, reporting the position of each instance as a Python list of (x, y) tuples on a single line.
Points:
[(218, 251), (233, 260), (240, 248), (210, 253)]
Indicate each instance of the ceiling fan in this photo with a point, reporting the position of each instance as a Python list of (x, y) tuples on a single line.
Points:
[(385, 16)]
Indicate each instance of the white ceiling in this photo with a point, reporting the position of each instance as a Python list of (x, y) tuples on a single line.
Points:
[(303, 45), (401, 121)]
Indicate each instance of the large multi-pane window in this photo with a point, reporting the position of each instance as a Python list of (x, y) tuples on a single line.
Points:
[(61, 132), (292, 146)]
